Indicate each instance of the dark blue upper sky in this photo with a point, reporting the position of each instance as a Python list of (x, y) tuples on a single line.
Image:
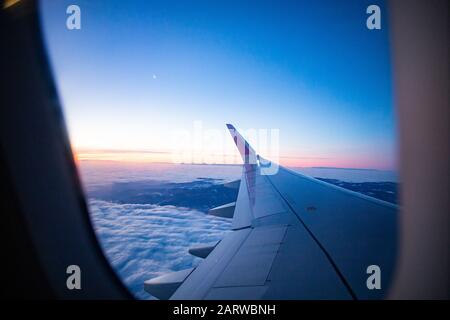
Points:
[(138, 69)]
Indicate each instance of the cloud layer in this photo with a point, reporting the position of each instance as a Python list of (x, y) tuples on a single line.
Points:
[(143, 241)]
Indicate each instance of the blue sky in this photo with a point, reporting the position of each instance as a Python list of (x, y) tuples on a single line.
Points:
[(138, 69)]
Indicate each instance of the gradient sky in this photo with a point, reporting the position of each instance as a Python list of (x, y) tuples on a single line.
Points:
[(138, 70)]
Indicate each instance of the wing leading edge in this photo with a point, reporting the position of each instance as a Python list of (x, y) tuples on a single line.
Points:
[(295, 237)]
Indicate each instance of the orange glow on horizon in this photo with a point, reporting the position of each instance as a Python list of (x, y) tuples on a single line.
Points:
[(137, 156), (121, 157)]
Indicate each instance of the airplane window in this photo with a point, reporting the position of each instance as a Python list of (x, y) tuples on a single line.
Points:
[(148, 88)]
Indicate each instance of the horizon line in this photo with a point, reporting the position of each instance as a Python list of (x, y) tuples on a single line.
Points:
[(228, 164)]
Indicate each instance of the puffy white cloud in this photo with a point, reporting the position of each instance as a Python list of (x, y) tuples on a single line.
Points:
[(143, 241)]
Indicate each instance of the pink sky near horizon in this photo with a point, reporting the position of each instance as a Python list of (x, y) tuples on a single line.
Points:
[(364, 161)]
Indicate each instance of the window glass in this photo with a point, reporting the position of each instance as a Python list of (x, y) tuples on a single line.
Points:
[(147, 89)]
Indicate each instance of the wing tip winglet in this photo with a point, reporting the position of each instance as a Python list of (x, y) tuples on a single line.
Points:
[(246, 151)]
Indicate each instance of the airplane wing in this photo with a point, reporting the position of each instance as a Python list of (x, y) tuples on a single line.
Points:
[(294, 237)]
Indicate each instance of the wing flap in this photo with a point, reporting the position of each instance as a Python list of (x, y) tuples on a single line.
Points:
[(250, 266), (197, 285), (224, 211), (164, 286)]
